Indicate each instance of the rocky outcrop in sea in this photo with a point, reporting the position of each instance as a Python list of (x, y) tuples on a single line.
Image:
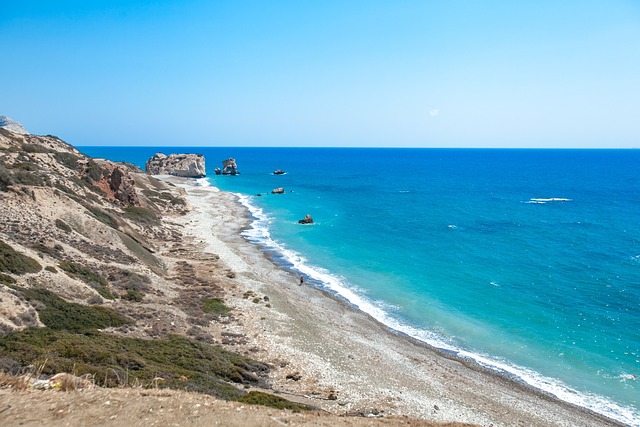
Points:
[(229, 167), (184, 165)]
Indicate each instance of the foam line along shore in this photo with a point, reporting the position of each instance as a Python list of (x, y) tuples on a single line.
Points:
[(334, 345)]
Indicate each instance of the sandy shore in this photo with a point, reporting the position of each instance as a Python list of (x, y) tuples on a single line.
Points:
[(324, 348)]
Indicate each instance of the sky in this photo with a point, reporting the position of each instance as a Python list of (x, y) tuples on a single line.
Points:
[(347, 73)]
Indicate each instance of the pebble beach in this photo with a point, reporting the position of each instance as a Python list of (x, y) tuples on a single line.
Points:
[(344, 361)]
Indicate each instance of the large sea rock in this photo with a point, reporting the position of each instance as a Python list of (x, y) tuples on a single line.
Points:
[(185, 165), (230, 167), (12, 126)]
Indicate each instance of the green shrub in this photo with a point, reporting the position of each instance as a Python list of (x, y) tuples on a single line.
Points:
[(93, 172), (5, 178), (141, 215), (88, 276), (216, 306), (34, 148), (27, 178), (16, 263), (180, 362), (61, 315), (67, 159), (63, 226), (102, 216), (51, 268), (266, 399), (133, 295), (5, 279)]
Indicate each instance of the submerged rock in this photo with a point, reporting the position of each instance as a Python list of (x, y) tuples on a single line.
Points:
[(185, 165), (306, 220)]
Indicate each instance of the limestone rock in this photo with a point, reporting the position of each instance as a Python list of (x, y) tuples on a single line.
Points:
[(306, 220), (118, 184), (12, 126), (185, 165), (230, 167)]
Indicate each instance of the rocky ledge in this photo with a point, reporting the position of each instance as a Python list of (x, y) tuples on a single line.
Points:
[(12, 126), (184, 165)]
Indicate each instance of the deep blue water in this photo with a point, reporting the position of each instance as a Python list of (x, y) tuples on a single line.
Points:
[(524, 260)]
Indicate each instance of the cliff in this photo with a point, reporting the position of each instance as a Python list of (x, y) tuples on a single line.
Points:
[(184, 165), (91, 258), (11, 125)]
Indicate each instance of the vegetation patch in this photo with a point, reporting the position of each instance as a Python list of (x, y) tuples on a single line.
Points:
[(102, 216), (5, 279), (34, 148), (60, 315), (173, 362), (135, 285), (67, 159), (88, 276), (16, 263), (215, 306), (93, 172), (142, 253), (63, 226), (19, 176), (141, 215), (56, 251), (266, 399)]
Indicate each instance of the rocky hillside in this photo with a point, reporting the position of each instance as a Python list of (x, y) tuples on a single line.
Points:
[(11, 125), (97, 279)]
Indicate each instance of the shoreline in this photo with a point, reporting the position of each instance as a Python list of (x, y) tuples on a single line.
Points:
[(333, 345)]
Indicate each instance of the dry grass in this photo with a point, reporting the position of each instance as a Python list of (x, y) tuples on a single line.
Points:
[(13, 382)]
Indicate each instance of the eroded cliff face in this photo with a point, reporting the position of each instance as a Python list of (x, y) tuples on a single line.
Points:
[(184, 165), (71, 213), (93, 256)]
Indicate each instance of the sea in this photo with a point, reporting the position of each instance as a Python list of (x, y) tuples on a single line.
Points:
[(524, 261)]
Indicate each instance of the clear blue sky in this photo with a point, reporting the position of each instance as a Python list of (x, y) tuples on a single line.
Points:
[(397, 73)]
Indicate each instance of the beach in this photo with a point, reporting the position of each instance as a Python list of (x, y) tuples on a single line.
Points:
[(334, 357)]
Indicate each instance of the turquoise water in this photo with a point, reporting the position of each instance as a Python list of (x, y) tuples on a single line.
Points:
[(527, 261)]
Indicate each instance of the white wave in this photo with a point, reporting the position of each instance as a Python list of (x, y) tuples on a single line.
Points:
[(203, 182), (541, 201), (259, 233)]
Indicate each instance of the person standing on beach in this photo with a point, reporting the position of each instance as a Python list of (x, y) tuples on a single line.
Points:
[(301, 280)]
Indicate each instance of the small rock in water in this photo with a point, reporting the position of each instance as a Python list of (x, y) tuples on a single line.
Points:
[(306, 220)]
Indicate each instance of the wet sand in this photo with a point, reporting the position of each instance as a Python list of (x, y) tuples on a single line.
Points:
[(323, 348)]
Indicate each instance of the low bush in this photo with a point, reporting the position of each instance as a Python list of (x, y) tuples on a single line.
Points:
[(16, 263), (5, 279), (141, 215), (178, 362), (102, 216), (67, 159), (63, 226), (61, 315), (266, 399), (88, 276), (215, 306)]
